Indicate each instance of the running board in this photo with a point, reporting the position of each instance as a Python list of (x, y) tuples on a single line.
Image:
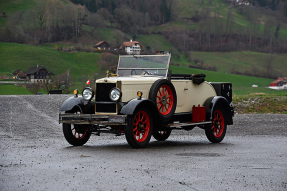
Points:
[(178, 125)]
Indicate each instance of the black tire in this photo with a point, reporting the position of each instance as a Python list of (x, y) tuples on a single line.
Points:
[(163, 94), (161, 135), (215, 132), (139, 128), (76, 135)]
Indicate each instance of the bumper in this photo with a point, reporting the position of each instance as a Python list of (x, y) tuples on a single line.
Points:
[(92, 119)]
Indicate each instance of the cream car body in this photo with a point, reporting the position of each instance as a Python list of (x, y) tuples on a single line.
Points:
[(144, 99)]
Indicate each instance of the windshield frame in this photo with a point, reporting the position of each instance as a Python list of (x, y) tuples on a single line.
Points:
[(146, 71)]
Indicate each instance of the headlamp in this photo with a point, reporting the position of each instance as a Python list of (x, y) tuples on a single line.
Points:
[(115, 94), (88, 93)]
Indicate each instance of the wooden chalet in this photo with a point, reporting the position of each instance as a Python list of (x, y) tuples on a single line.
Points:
[(102, 45), (38, 74)]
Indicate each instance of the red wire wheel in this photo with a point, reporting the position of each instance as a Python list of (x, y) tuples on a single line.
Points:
[(218, 124), (139, 128), (216, 132), (164, 100), (162, 93), (76, 135)]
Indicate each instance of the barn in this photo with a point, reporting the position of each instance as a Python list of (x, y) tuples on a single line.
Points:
[(102, 45)]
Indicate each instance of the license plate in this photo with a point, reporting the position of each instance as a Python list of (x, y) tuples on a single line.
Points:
[(117, 119)]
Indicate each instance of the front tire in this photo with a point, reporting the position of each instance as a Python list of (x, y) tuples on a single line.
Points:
[(139, 128), (76, 135), (215, 133)]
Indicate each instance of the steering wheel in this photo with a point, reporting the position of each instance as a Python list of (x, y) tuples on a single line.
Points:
[(133, 72)]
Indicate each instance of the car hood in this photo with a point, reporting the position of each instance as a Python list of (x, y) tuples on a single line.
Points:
[(132, 79)]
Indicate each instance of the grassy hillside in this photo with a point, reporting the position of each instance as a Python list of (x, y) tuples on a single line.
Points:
[(244, 61), (12, 6), (19, 56), (83, 65)]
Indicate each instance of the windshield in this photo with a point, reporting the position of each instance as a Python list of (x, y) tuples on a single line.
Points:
[(146, 65)]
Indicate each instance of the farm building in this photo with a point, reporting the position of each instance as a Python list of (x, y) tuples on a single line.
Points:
[(38, 74), (102, 45), (279, 82)]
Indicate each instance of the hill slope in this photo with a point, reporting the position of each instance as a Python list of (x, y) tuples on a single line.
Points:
[(19, 56), (84, 65)]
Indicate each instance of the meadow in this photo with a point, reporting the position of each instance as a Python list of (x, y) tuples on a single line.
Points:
[(83, 65)]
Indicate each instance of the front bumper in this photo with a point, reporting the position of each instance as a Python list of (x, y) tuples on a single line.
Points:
[(92, 119)]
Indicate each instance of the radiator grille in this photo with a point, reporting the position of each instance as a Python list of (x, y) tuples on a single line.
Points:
[(103, 91), (102, 95)]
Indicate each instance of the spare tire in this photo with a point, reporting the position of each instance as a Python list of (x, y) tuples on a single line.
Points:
[(163, 94)]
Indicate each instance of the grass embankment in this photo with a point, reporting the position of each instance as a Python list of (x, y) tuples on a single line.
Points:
[(11, 89)]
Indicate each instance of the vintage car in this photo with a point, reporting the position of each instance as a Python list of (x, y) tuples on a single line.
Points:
[(145, 99)]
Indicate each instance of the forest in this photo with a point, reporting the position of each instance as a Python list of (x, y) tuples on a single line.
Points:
[(206, 26)]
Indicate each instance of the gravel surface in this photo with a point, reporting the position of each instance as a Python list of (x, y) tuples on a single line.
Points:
[(35, 156)]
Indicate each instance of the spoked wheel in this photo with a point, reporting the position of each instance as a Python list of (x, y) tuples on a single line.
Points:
[(76, 135), (139, 128), (216, 132), (161, 135), (162, 93)]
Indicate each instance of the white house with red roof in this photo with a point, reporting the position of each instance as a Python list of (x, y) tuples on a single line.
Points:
[(131, 47)]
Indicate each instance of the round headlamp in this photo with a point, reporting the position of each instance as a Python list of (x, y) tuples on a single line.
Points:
[(88, 93), (115, 94)]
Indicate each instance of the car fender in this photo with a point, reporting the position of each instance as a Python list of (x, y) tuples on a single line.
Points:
[(70, 103), (131, 106), (87, 107), (221, 102)]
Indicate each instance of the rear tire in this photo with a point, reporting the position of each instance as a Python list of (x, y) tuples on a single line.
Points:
[(215, 133)]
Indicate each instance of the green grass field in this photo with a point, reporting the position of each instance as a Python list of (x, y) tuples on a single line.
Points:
[(11, 89), (244, 61), (19, 56), (83, 65)]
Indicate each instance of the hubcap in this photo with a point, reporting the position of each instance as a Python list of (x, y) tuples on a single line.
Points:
[(163, 100)]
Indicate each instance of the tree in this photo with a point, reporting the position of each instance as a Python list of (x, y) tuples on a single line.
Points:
[(108, 61)]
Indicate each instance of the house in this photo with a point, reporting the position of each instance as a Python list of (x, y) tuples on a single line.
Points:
[(38, 74), (102, 45), (279, 82), (131, 47)]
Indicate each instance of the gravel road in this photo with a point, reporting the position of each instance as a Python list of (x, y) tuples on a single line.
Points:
[(35, 156)]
